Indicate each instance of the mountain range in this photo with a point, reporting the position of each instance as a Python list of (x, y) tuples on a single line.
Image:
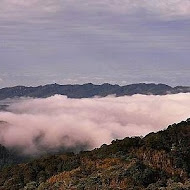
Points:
[(90, 90)]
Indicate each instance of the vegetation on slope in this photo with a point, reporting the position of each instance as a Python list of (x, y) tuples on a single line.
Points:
[(158, 161)]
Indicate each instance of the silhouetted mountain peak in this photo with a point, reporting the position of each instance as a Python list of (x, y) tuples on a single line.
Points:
[(89, 90)]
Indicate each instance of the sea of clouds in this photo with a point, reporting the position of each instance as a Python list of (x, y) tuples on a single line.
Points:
[(38, 125)]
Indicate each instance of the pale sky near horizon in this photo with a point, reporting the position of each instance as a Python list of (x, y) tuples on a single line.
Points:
[(79, 41)]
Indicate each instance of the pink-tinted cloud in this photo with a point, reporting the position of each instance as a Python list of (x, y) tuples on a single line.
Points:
[(40, 124)]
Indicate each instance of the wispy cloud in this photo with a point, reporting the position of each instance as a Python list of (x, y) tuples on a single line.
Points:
[(167, 8), (95, 38)]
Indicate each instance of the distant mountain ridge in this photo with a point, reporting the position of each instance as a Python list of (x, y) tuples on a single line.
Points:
[(90, 90)]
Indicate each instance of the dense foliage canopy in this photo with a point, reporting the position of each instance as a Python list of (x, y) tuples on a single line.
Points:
[(159, 160)]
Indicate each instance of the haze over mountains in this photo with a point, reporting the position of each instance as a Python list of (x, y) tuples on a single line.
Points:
[(90, 90)]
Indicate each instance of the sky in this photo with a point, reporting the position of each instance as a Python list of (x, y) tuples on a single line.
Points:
[(80, 41)]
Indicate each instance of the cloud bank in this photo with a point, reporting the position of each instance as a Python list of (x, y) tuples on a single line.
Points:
[(38, 125)]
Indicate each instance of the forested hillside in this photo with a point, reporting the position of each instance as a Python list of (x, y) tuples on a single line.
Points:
[(157, 161)]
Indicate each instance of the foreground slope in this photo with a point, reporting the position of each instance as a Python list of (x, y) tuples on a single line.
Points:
[(158, 161), (90, 90)]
